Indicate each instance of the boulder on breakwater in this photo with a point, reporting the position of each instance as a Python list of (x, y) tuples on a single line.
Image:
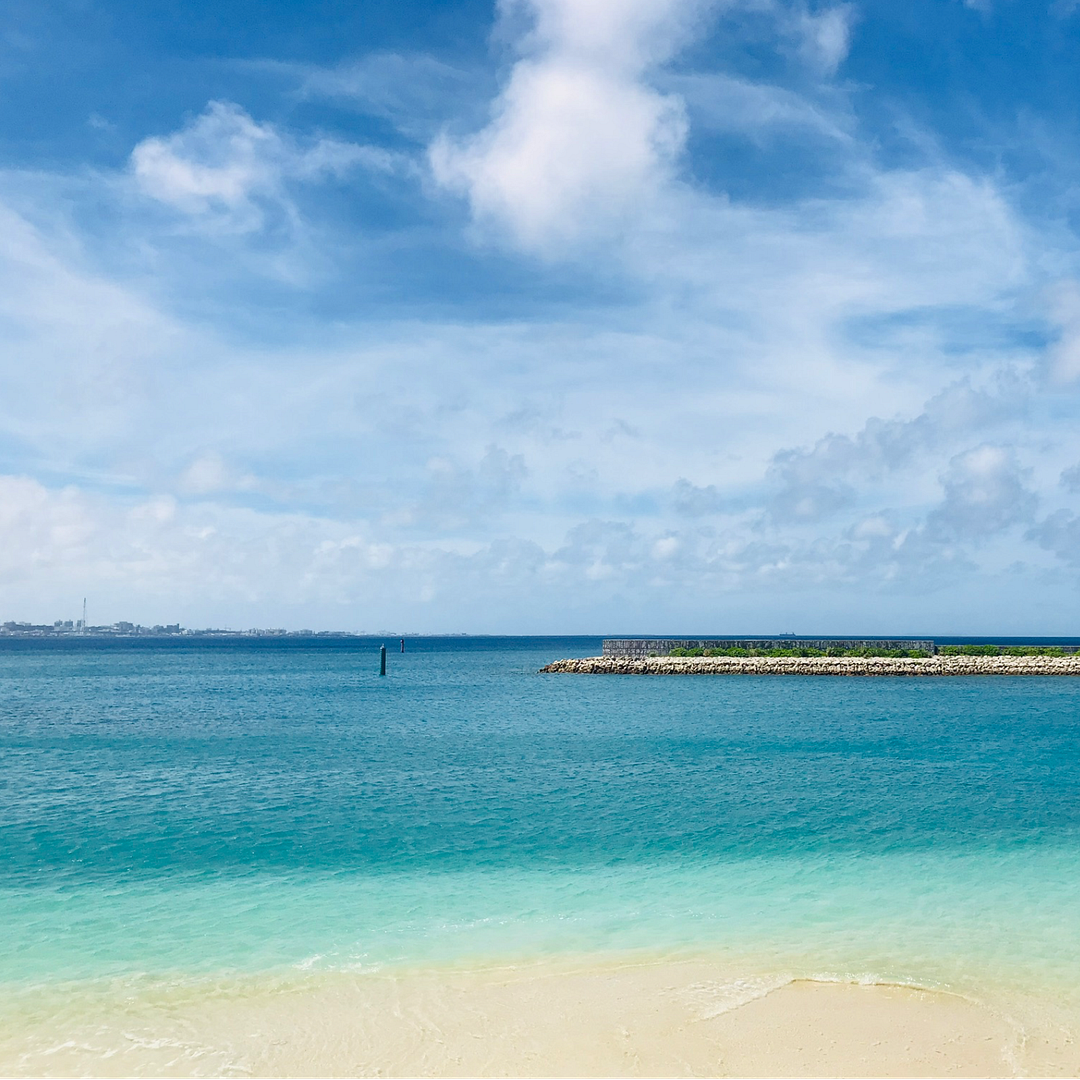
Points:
[(818, 665)]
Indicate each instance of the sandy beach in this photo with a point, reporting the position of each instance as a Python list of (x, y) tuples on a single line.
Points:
[(664, 1018)]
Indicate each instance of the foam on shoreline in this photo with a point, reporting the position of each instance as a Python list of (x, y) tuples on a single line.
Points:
[(818, 665)]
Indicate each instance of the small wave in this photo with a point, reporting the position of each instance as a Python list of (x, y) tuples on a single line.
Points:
[(59, 1048), (866, 978), (713, 999), (717, 998)]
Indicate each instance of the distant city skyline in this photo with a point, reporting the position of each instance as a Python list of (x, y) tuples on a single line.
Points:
[(75, 628), (124, 628)]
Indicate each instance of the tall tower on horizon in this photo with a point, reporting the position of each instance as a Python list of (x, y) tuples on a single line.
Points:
[(84, 614)]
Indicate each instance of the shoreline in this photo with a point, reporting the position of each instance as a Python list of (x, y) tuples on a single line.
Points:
[(818, 665), (584, 1016)]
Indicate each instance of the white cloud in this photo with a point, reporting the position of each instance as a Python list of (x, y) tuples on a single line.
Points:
[(579, 141), (1070, 479), (824, 36), (1064, 356), (985, 491), (210, 474), (456, 496), (690, 500), (1060, 533), (763, 113), (816, 483), (224, 167), (415, 91), (40, 528), (77, 350)]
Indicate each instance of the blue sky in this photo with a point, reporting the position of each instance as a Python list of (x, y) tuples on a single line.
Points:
[(602, 316)]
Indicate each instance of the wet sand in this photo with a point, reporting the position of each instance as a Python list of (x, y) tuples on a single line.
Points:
[(661, 1019)]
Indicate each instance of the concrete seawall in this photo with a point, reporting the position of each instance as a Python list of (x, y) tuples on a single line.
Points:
[(641, 647), (818, 665)]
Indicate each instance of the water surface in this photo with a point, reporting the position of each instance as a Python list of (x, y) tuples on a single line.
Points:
[(185, 810)]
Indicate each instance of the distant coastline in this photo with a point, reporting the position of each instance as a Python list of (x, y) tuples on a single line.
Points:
[(74, 630), (71, 629)]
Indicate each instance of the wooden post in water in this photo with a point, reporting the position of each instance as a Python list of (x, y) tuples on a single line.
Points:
[(382, 660)]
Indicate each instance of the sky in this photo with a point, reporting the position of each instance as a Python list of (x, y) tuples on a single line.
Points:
[(542, 316)]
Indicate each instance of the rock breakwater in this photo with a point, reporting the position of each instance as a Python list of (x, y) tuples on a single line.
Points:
[(818, 665)]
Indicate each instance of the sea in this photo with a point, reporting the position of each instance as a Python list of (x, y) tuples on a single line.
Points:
[(204, 816)]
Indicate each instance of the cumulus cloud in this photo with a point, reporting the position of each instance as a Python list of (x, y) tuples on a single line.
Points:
[(226, 169), (40, 528), (804, 499), (226, 563), (1060, 533), (578, 139), (985, 492), (816, 483)]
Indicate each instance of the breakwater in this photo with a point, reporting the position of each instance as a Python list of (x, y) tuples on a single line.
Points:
[(818, 665), (662, 646)]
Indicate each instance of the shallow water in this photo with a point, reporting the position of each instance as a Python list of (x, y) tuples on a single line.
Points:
[(181, 813)]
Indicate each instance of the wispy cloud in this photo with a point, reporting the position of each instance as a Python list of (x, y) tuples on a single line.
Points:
[(764, 113), (227, 172), (416, 92)]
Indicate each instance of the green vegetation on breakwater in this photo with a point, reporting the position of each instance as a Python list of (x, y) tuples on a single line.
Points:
[(893, 654), (1001, 650)]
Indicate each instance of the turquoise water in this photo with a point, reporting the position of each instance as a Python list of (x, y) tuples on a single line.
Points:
[(197, 809)]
